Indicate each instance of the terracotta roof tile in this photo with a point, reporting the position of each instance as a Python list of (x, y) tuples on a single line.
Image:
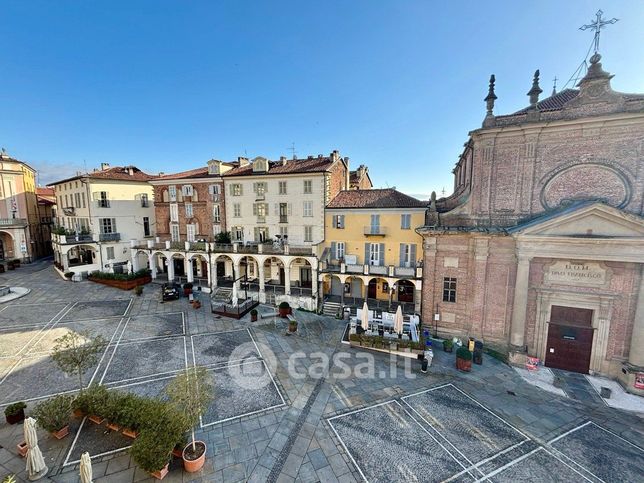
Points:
[(553, 103), (375, 198), (118, 173), (292, 166)]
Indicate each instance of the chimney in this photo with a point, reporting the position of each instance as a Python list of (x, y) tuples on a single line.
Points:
[(309, 157), (283, 160), (105, 166), (161, 173), (242, 161), (3, 154), (130, 170), (347, 181), (335, 155)]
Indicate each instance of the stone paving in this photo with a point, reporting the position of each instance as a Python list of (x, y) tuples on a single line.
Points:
[(298, 440)]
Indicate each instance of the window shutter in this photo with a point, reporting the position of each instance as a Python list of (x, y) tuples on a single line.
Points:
[(266, 212), (412, 255), (367, 247), (211, 189), (341, 221), (290, 210), (232, 189), (333, 251), (335, 221), (402, 255), (241, 189), (114, 230), (254, 209), (195, 196), (277, 209), (382, 254), (254, 187), (166, 196)]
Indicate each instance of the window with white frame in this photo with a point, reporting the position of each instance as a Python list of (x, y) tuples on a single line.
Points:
[(174, 212), (339, 250), (189, 213), (107, 225), (284, 231), (236, 189), (216, 214), (144, 200), (236, 210), (374, 254), (187, 190), (146, 226), (260, 188), (308, 208), (172, 191), (308, 233), (405, 255), (216, 229), (405, 221), (174, 232), (338, 222), (109, 252), (190, 232), (282, 187), (237, 233), (308, 186)]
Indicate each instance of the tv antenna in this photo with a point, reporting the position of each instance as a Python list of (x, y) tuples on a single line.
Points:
[(293, 152)]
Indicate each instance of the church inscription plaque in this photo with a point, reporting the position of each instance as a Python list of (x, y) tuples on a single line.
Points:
[(576, 273)]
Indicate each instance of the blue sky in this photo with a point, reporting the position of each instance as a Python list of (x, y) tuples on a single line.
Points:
[(397, 85)]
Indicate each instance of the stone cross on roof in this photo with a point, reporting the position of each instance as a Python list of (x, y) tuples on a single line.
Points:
[(597, 25)]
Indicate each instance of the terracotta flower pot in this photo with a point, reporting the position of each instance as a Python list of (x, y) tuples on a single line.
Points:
[(130, 433), (113, 426), (96, 419), (79, 413), (22, 449), (194, 462), (292, 327), (253, 317), (159, 475), (463, 365), (61, 433), (283, 313)]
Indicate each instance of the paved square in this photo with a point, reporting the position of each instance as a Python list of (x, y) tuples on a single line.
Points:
[(106, 328), (149, 358), (387, 444), (223, 347), (97, 309), (241, 390), (15, 341), (539, 465), (30, 314), (467, 426), (595, 450), (152, 326)]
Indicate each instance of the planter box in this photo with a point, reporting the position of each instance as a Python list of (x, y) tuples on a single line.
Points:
[(22, 449), (16, 418), (96, 419), (130, 433), (400, 353), (61, 433), (159, 475), (123, 284), (463, 365), (113, 426)]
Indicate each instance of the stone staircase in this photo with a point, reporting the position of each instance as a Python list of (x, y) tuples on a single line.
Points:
[(222, 295), (331, 309)]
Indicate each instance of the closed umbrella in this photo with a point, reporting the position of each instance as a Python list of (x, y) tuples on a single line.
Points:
[(234, 297), (398, 321), (365, 317), (85, 468), (36, 467)]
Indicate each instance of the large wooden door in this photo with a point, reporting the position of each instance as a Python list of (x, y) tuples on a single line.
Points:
[(570, 339), (372, 290)]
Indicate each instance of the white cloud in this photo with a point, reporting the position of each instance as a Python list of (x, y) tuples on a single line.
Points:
[(50, 172)]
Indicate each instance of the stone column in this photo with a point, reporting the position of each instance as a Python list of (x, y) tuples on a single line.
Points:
[(262, 288), (287, 279), (189, 273), (135, 262), (209, 274), (517, 330), (65, 258), (153, 266), (636, 352), (314, 282), (170, 269), (429, 270), (418, 295), (236, 274)]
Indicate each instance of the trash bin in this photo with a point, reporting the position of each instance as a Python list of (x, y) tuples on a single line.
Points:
[(605, 392), (347, 314), (478, 353), (470, 344)]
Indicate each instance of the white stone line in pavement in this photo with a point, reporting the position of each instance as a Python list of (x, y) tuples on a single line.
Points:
[(116, 346), (255, 343), (487, 460), (37, 398), (563, 435)]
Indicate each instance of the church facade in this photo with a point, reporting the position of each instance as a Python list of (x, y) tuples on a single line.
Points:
[(539, 252)]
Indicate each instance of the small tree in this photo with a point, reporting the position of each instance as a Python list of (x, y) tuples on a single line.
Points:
[(76, 352), (190, 392), (223, 237)]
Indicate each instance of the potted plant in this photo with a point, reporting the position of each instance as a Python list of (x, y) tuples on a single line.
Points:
[(53, 415), (448, 345), (187, 289), (253, 315), (94, 402), (292, 325), (76, 352), (463, 359), (151, 454), (196, 304), (69, 275), (112, 410), (285, 309), (190, 393), (128, 415), (14, 413), (138, 290), (177, 451)]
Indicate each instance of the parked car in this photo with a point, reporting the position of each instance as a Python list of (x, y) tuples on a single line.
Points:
[(170, 291)]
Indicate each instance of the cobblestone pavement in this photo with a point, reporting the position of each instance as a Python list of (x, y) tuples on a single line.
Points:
[(296, 441)]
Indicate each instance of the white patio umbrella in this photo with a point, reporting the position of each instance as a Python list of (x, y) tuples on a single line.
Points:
[(36, 467), (235, 299), (398, 321), (364, 322), (85, 468)]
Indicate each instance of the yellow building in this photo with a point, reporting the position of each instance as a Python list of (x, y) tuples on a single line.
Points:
[(371, 251)]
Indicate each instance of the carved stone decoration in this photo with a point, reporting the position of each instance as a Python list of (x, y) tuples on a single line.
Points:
[(589, 181), (570, 272)]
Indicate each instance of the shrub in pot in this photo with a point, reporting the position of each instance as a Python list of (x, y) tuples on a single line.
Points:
[(95, 402), (14, 413), (138, 290), (187, 289), (190, 393), (448, 345), (463, 359), (292, 325), (53, 415), (284, 309), (152, 453), (253, 315)]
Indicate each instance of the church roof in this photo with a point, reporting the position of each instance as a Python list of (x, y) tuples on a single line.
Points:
[(553, 103), (375, 198)]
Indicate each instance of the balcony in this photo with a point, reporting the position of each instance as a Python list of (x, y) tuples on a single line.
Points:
[(235, 247), (109, 237), (261, 219), (283, 219), (71, 239), (103, 203), (13, 222), (260, 196), (378, 270), (375, 230)]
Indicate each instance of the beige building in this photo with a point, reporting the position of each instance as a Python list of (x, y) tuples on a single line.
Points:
[(98, 214)]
